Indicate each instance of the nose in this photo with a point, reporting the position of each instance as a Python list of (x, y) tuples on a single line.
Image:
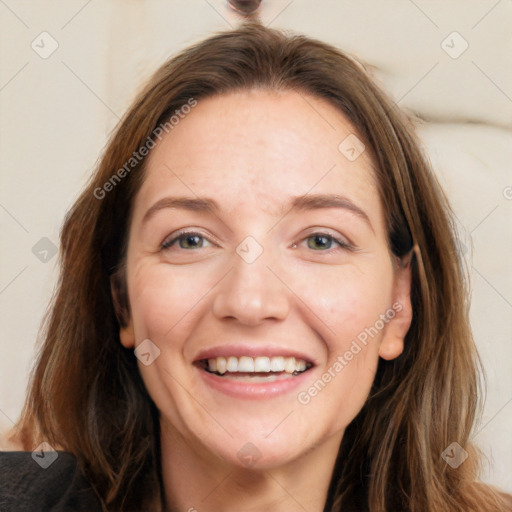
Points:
[(252, 292)]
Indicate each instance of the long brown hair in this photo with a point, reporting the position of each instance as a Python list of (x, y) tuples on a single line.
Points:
[(86, 395)]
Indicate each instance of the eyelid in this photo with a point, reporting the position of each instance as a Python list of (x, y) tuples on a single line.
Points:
[(328, 232)]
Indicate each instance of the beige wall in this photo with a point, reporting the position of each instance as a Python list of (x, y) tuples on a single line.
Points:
[(57, 112)]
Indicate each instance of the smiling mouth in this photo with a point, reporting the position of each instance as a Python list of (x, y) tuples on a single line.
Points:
[(255, 369)]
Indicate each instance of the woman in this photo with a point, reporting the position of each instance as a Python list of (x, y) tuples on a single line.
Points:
[(260, 304)]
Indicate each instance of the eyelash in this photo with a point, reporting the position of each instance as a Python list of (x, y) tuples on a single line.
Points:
[(342, 244)]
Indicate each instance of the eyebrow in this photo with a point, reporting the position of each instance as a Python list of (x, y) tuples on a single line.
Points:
[(299, 203)]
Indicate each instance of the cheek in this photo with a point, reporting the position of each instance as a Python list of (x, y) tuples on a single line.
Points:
[(348, 300), (162, 300)]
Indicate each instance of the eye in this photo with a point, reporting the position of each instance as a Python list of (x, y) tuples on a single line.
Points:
[(187, 240), (322, 242), (318, 241)]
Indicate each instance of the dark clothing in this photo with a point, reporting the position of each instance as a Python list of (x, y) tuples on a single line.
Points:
[(28, 483)]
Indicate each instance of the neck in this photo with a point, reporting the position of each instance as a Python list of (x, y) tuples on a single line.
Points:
[(200, 482)]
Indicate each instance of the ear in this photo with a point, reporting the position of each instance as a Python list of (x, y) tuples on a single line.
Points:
[(119, 294), (392, 344)]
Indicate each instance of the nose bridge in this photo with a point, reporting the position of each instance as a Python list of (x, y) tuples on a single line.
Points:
[(251, 292)]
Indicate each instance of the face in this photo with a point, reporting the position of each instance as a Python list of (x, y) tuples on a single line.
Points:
[(233, 282)]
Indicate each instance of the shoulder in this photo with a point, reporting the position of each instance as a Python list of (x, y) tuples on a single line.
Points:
[(10, 442), (47, 481)]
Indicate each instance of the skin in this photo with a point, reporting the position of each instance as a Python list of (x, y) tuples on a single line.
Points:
[(251, 151)]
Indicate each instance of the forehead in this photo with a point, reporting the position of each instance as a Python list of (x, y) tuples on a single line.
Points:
[(259, 147)]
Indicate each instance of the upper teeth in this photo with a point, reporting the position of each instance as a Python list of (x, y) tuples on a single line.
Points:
[(256, 364)]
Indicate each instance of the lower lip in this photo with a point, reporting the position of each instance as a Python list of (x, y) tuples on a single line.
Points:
[(253, 390)]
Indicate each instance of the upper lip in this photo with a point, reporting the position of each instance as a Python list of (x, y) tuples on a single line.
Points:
[(239, 350)]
